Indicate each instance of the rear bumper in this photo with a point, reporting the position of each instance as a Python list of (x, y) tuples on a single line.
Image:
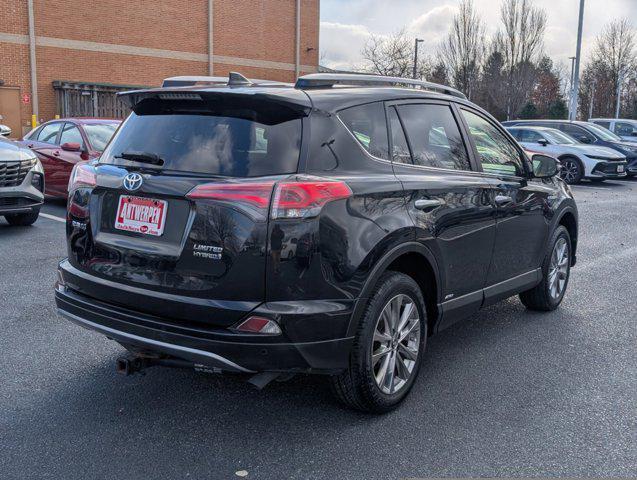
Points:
[(217, 348)]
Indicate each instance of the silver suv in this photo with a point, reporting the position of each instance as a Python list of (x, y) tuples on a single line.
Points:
[(21, 184)]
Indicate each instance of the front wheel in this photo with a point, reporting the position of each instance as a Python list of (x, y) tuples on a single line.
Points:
[(571, 171), (388, 347), (23, 219), (556, 269)]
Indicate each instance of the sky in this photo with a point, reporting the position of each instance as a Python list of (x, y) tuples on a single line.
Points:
[(347, 24)]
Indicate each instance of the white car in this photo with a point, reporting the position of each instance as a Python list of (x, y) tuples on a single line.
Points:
[(624, 127), (578, 160)]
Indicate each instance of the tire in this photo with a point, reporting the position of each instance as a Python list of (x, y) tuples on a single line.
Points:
[(358, 386), (542, 297), (23, 219), (571, 171)]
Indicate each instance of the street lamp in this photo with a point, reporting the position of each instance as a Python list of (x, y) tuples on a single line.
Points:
[(416, 42), (572, 114)]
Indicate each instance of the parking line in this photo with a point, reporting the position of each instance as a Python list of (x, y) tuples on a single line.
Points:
[(53, 217)]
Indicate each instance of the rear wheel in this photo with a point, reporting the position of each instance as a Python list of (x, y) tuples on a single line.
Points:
[(571, 171), (556, 269), (388, 347), (23, 219)]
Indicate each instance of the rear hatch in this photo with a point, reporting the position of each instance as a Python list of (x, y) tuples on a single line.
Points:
[(172, 221)]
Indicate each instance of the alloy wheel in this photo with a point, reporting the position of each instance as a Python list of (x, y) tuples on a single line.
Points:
[(569, 171), (558, 269), (396, 344)]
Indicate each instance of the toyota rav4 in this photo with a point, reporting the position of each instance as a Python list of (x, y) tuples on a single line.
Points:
[(327, 227)]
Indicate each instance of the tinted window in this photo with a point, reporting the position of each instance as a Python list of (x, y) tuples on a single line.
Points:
[(224, 138), (434, 136), (603, 124), (496, 152), (578, 133), (48, 133), (367, 123), (399, 147), (99, 134), (71, 134), (530, 136), (625, 129)]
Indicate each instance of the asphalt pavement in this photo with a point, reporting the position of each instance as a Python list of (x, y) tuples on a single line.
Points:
[(507, 392)]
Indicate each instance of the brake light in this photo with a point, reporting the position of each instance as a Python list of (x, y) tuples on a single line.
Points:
[(82, 175), (303, 199), (253, 198)]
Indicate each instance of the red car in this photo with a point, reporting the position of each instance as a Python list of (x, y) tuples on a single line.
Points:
[(60, 144)]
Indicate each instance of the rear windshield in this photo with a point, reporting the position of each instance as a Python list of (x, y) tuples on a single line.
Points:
[(226, 140)]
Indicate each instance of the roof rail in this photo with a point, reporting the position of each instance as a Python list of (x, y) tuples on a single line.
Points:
[(318, 80), (235, 79)]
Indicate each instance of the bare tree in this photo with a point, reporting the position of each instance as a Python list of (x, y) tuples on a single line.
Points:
[(393, 55), (521, 42), (463, 49)]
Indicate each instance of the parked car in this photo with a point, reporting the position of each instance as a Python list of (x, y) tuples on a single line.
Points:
[(578, 160), (405, 227), (622, 127), (60, 144), (589, 133), (5, 131), (21, 184)]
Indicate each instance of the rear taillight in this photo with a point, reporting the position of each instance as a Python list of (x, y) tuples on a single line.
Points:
[(254, 198), (303, 199), (297, 199), (82, 175)]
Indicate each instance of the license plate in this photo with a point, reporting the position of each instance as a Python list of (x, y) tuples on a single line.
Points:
[(620, 169), (141, 215)]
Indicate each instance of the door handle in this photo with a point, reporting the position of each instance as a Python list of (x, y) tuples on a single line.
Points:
[(503, 199), (427, 204)]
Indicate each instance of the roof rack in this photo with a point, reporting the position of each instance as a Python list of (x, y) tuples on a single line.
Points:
[(318, 80), (235, 79)]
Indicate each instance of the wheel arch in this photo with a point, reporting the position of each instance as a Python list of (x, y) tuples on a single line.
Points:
[(568, 219), (413, 259), (565, 156)]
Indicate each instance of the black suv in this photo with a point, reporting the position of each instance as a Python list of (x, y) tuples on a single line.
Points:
[(327, 227), (589, 133)]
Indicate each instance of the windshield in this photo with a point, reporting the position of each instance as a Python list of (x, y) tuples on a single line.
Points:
[(559, 138), (99, 134), (232, 143), (603, 133)]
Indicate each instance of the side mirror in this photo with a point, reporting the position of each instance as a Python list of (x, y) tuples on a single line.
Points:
[(544, 166), (71, 147), (542, 141), (5, 131)]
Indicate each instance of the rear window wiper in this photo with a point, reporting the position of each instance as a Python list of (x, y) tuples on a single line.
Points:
[(142, 157)]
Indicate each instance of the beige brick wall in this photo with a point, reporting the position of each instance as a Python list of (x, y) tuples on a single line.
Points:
[(76, 41)]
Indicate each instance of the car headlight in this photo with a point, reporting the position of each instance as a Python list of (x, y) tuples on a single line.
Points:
[(37, 168)]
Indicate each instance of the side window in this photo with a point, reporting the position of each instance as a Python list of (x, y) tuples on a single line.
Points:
[(71, 134), (578, 133), (434, 136), (367, 123), (625, 129), (399, 147), (604, 124), (495, 151), (516, 133), (530, 136), (48, 133)]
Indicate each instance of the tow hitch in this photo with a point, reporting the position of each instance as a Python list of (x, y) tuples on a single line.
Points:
[(131, 364)]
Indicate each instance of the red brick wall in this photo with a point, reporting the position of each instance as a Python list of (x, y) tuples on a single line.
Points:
[(261, 30)]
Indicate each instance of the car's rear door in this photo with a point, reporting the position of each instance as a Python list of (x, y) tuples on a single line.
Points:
[(185, 237), (61, 161), (521, 224), (448, 200)]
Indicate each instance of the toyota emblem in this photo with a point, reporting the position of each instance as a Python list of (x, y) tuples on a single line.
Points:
[(133, 181)]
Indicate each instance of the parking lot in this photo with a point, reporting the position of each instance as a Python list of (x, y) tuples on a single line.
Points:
[(507, 392)]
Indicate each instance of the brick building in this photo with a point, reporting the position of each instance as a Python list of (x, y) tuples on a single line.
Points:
[(84, 52)]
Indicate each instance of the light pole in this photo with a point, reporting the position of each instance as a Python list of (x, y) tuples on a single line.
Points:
[(590, 107), (620, 79), (572, 111), (416, 42)]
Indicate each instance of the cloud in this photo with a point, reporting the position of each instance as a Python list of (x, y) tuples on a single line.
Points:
[(341, 44)]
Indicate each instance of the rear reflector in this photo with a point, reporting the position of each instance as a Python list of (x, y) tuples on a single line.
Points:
[(305, 199), (259, 325), (82, 175)]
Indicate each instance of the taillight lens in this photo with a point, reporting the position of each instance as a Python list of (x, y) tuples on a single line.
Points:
[(303, 199), (254, 198), (82, 175)]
